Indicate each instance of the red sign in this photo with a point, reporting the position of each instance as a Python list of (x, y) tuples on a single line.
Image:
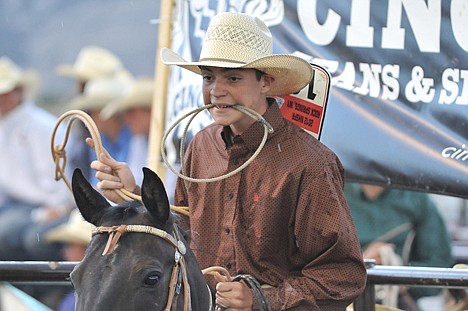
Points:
[(307, 108)]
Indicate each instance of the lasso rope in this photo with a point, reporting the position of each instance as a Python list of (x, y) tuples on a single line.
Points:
[(250, 112), (60, 158)]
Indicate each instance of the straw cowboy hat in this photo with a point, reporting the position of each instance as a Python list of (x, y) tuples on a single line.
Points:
[(75, 230), (100, 92), (140, 95), (237, 40), (92, 62), (12, 76)]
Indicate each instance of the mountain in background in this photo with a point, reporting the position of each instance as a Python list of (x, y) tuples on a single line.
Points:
[(42, 34)]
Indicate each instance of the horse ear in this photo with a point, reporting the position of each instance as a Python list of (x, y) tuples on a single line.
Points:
[(89, 201), (154, 195)]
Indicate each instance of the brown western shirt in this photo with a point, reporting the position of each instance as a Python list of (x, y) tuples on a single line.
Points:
[(283, 219)]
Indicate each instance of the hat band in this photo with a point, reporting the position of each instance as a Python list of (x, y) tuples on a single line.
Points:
[(223, 60)]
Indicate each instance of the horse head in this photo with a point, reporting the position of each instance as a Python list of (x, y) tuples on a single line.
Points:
[(137, 258)]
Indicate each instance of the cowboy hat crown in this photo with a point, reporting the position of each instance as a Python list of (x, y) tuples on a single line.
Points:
[(92, 62), (238, 40)]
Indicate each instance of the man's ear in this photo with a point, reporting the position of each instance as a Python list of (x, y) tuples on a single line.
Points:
[(267, 83)]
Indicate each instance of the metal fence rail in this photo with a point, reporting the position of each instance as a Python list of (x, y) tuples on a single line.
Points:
[(45, 271), (408, 276), (36, 271)]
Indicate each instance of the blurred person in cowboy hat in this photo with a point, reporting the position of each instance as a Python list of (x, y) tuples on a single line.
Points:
[(94, 63), (75, 236), (115, 134), (283, 219), (29, 195), (135, 109)]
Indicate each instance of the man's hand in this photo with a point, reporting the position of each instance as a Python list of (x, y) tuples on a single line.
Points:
[(374, 250), (235, 296), (112, 175)]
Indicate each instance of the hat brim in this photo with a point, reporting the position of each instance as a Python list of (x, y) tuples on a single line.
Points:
[(29, 80), (71, 72), (90, 103), (119, 106), (65, 234), (291, 73), (8, 86)]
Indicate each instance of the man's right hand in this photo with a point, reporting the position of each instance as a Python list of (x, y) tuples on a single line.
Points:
[(374, 251), (112, 175)]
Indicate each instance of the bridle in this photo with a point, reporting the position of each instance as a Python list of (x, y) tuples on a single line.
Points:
[(179, 270)]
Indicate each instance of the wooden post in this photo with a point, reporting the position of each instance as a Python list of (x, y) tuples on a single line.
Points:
[(162, 73)]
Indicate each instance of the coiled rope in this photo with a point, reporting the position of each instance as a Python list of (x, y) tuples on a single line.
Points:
[(250, 112)]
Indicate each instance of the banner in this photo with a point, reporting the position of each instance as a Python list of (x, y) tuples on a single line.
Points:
[(397, 110)]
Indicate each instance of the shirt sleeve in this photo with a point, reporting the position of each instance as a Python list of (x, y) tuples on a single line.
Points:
[(333, 274), (181, 199)]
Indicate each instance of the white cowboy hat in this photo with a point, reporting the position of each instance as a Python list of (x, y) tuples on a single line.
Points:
[(12, 76), (100, 92), (238, 40), (92, 62), (75, 230), (140, 95)]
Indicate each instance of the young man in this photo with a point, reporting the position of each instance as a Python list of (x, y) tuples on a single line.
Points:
[(283, 219)]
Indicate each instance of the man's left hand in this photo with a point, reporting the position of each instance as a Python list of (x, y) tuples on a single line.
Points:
[(235, 296)]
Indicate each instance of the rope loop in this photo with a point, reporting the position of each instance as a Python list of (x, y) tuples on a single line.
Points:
[(250, 112), (60, 157)]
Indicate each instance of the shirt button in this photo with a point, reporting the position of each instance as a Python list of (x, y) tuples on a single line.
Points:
[(228, 230), (230, 195), (236, 162), (228, 265)]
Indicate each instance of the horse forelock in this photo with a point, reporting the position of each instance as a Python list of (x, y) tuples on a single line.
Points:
[(134, 212)]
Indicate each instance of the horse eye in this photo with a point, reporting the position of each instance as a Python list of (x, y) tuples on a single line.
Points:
[(152, 280)]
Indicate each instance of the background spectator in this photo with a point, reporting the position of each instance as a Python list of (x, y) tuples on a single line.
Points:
[(75, 236), (29, 195), (398, 227), (96, 63), (135, 109)]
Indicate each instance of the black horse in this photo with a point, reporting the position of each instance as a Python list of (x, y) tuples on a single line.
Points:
[(137, 258)]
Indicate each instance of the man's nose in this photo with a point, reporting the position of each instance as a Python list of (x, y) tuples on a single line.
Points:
[(218, 89)]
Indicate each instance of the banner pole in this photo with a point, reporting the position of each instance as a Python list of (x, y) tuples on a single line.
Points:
[(162, 73)]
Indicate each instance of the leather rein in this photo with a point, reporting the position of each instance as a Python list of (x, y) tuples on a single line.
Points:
[(179, 270)]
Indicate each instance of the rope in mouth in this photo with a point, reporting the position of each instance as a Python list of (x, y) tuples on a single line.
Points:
[(250, 112)]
